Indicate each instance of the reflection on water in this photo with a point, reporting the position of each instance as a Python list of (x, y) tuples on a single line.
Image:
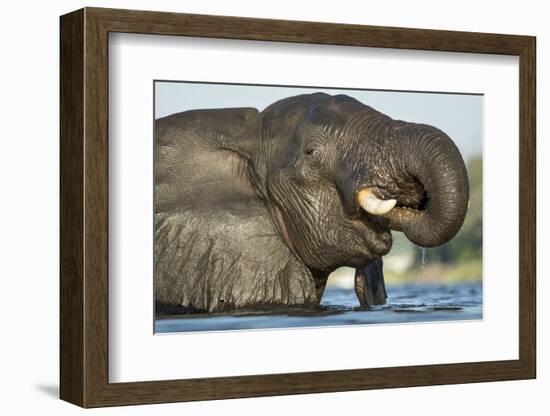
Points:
[(418, 302)]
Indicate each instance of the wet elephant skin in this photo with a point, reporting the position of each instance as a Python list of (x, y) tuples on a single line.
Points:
[(254, 210)]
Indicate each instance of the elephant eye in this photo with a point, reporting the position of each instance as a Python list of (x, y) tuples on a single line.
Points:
[(313, 151), (313, 146)]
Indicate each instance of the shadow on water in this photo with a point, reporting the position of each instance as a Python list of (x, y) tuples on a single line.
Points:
[(416, 302)]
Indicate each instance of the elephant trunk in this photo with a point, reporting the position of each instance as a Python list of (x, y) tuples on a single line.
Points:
[(432, 208), (410, 177)]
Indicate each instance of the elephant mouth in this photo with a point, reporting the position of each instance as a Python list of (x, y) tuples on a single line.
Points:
[(383, 209), (389, 207), (410, 197), (376, 234)]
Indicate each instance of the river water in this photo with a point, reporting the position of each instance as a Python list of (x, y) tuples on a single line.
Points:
[(407, 303)]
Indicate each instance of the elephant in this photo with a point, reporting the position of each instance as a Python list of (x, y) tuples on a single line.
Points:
[(254, 210)]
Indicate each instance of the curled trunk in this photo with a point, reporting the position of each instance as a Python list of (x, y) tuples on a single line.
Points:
[(432, 160)]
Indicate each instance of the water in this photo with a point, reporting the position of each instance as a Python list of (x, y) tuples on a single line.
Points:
[(407, 303)]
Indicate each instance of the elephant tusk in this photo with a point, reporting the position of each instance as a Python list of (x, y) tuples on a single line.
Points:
[(374, 205)]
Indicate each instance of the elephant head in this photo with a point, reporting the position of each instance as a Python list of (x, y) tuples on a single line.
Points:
[(324, 178)]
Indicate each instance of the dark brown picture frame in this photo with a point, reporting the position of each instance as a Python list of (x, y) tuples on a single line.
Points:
[(84, 207)]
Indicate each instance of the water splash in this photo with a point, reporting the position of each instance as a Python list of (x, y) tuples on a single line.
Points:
[(423, 250), (423, 258)]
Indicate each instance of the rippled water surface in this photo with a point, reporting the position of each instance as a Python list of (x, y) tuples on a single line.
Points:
[(406, 303)]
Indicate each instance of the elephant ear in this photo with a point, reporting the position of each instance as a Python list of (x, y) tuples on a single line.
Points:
[(216, 246), (201, 159)]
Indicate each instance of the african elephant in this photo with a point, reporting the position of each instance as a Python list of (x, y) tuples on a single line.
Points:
[(255, 209)]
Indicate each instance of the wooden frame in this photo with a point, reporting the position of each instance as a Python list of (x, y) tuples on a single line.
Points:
[(84, 207)]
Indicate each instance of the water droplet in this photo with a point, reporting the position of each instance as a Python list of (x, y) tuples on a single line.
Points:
[(423, 250)]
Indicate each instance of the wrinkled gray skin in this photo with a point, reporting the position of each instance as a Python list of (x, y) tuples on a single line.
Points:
[(254, 210)]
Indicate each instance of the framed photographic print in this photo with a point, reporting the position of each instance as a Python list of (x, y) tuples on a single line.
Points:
[(255, 207)]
